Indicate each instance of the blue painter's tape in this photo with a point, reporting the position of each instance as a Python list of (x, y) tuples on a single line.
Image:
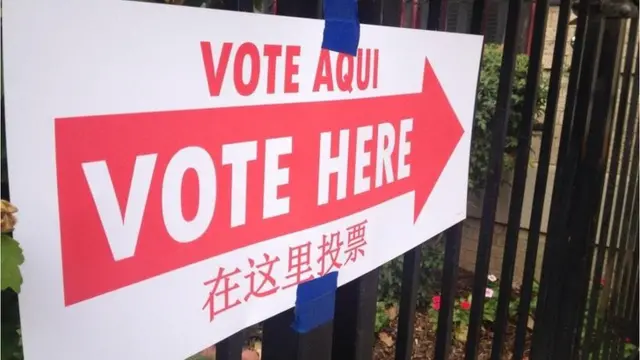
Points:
[(315, 302), (341, 26)]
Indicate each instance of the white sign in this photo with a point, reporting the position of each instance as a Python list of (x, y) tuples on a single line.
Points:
[(180, 171)]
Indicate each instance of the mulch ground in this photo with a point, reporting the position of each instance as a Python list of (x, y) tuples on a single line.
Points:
[(425, 335), (425, 338)]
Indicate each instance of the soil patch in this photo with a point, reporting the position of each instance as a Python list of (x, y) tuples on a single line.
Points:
[(424, 337)]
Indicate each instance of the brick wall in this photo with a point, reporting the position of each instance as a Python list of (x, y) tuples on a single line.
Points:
[(469, 248)]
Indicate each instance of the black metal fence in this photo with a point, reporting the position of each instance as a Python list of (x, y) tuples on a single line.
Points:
[(586, 306)]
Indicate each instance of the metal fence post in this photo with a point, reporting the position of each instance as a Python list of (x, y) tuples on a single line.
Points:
[(494, 175), (535, 222)]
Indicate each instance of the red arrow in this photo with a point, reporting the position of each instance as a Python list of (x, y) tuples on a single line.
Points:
[(89, 268)]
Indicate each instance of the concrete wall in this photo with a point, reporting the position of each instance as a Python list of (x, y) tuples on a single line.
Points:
[(472, 224)]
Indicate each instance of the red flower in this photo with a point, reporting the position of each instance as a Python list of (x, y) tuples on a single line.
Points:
[(627, 340), (602, 282), (435, 302), (465, 305)]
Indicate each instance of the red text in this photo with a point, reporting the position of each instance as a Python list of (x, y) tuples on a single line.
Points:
[(347, 71), (230, 287), (248, 62)]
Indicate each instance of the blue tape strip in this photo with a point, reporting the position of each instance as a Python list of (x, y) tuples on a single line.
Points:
[(315, 302), (341, 26)]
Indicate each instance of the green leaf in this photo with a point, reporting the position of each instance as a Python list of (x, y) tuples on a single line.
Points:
[(12, 258)]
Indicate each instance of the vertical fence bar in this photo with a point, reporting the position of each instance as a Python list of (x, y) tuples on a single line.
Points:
[(405, 14), (4, 182), (453, 236), (434, 15), (603, 110), (423, 14), (280, 340), (304, 9), (629, 161), (519, 179), (494, 175), (355, 315), (558, 196), (632, 296), (408, 298), (625, 197), (632, 302), (539, 337), (245, 5), (391, 10), (551, 247), (4, 172), (354, 321), (231, 347), (540, 189), (593, 122), (573, 137), (584, 213), (316, 344), (411, 260), (632, 287), (477, 16), (369, 11), (239, 5), (619, 140), (628, 219), (410, 278), (619, 322), (612, 319)]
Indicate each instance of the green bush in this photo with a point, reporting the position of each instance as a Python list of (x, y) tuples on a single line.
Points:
[(390, 282), (485, 108)]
